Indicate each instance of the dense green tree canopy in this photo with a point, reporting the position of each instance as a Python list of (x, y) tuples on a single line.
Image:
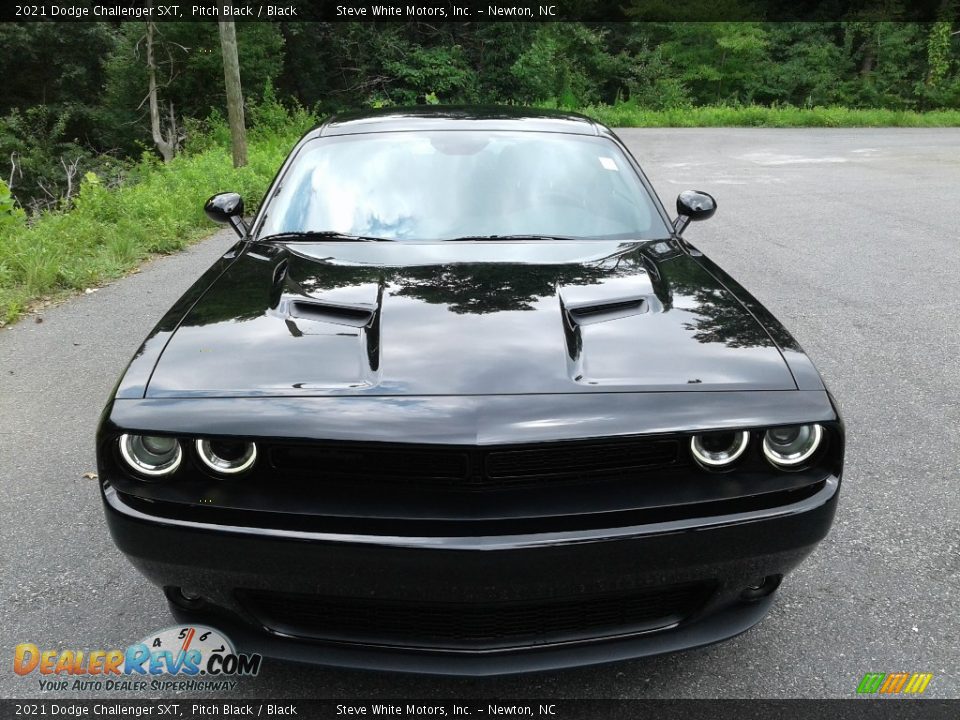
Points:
[(74, 93)]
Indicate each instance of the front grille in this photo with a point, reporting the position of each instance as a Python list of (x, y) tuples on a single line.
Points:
[(487, 625), (350, 461), (577, 458), (476, 468)]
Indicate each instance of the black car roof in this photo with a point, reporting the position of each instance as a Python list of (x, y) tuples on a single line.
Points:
[(458, 118)]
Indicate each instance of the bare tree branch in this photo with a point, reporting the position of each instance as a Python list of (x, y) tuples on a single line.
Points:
[(14, 169), (71, 173), (166, 144), (44, 188)]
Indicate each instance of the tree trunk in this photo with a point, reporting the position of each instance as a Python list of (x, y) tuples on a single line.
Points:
[(166, 145), (231, 76)]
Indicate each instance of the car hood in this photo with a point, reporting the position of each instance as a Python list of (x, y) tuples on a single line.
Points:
[(470, 318)]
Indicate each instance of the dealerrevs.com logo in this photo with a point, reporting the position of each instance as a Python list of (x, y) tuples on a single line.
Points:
[(178, 658)]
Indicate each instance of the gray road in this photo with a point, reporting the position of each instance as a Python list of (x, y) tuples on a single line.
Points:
[(849, 236)]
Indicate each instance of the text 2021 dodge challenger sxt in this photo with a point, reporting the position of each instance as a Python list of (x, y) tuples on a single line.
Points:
[(463, 400)]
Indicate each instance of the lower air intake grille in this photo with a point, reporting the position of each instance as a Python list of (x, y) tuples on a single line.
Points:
[(432, 624)]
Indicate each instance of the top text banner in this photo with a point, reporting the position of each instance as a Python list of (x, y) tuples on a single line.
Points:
[(435, 11)]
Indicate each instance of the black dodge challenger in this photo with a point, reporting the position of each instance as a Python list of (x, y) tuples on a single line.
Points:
[(462, 399)]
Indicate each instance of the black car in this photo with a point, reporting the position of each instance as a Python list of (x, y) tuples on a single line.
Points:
[(462, 399)]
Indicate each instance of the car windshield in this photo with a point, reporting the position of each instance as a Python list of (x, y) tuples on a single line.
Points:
[(449, 185)]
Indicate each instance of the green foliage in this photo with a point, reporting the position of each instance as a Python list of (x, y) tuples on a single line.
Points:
[(942, 84), (74, 127), (630, 114), (189, 67), (938, 53), (53, 64), (802, 67), (719, 61), (203, 135), (568, 64), (77, 92), (273, 121), (110, 230), (439, 71), (11, 216), (45, 161)]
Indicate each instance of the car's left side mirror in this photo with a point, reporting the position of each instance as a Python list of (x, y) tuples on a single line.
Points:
[(693, 205), (227, 208)]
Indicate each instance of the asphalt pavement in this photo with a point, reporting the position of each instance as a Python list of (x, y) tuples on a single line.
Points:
[(848, 236)]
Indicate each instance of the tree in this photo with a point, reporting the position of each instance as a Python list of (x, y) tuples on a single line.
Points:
[(231, 76), (166, 142), (53, 63), (189, 74), (571, 64), (938, 52)]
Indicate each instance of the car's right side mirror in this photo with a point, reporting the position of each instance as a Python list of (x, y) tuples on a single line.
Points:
[(227, 208), (693, 205)]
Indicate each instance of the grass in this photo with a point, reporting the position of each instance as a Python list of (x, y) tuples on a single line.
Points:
[(630, 115), (109, 232)]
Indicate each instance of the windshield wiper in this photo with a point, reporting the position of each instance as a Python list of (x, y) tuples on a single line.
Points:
[(511, 237), (321, 235)]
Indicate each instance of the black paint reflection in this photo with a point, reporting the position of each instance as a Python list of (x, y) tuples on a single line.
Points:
[(721, 321), (464, 288), (490, 288), (458, 318), (484, 288)]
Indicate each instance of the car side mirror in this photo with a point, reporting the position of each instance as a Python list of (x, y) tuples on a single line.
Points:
[(227, 208), (693, 205)]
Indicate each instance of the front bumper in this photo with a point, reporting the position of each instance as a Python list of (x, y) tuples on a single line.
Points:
[(722, 555)]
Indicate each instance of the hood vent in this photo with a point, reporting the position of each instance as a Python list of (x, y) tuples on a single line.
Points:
[(351, 315), (607, 310), (580, 313)]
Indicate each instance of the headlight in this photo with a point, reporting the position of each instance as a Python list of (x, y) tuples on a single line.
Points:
[(788, 447), (718, 449), (151, 455), (227, 457)]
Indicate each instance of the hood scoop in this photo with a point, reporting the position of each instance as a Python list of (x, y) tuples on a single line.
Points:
[(351, 302), (464, 319), (606, 310), (343, 321), (351, 315), (615, 300), (609, 298)]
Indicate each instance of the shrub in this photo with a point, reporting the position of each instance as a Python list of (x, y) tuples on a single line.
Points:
[(632, 114), (109, 231)]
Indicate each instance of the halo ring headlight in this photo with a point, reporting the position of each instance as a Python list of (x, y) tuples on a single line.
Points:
[(717, 450), (790, 447), (242, 455), (151, 455)]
